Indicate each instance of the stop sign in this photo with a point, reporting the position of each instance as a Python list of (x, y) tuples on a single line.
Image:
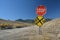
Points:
[(41, 10)]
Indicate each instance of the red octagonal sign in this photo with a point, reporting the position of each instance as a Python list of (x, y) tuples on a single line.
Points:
[(41, 10)]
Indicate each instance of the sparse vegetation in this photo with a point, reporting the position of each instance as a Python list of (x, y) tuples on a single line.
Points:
[(19, 23), (27, 20), (7, 24)]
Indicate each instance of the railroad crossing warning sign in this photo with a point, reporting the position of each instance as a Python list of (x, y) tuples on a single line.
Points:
[(39, 21)]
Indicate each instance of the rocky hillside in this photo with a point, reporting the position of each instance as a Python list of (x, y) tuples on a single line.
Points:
[(13, 24), (51, 30)]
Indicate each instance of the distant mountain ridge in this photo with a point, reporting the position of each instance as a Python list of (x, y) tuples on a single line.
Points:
[(31, 20), (27, 20)]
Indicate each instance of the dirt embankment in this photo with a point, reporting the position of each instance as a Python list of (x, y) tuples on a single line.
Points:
[(7, 24), (50, 31)]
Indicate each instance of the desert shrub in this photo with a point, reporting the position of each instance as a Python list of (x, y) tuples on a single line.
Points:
[(9, 27), (19, 27)]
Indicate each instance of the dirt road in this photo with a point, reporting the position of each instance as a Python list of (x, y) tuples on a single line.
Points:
[(19, 34)]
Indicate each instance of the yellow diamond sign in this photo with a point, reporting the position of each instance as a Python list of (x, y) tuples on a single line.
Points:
[(39, 21)]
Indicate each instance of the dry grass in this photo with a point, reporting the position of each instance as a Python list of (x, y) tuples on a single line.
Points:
[(51, 30), (13, 24)]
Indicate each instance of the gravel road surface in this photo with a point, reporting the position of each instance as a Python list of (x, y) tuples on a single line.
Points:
[(26, 33)]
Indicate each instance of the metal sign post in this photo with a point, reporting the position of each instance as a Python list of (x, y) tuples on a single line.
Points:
[(39, 31), (39, 21)]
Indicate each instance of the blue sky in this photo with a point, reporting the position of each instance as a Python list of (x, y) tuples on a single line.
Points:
[(26, 9)]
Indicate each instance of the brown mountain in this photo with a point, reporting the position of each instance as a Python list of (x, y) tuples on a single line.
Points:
[(13, 24)]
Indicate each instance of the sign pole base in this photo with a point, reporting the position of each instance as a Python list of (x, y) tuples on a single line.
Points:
[(40, 32)]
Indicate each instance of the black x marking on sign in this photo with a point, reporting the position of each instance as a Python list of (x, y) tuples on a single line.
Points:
[(39, 21)]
